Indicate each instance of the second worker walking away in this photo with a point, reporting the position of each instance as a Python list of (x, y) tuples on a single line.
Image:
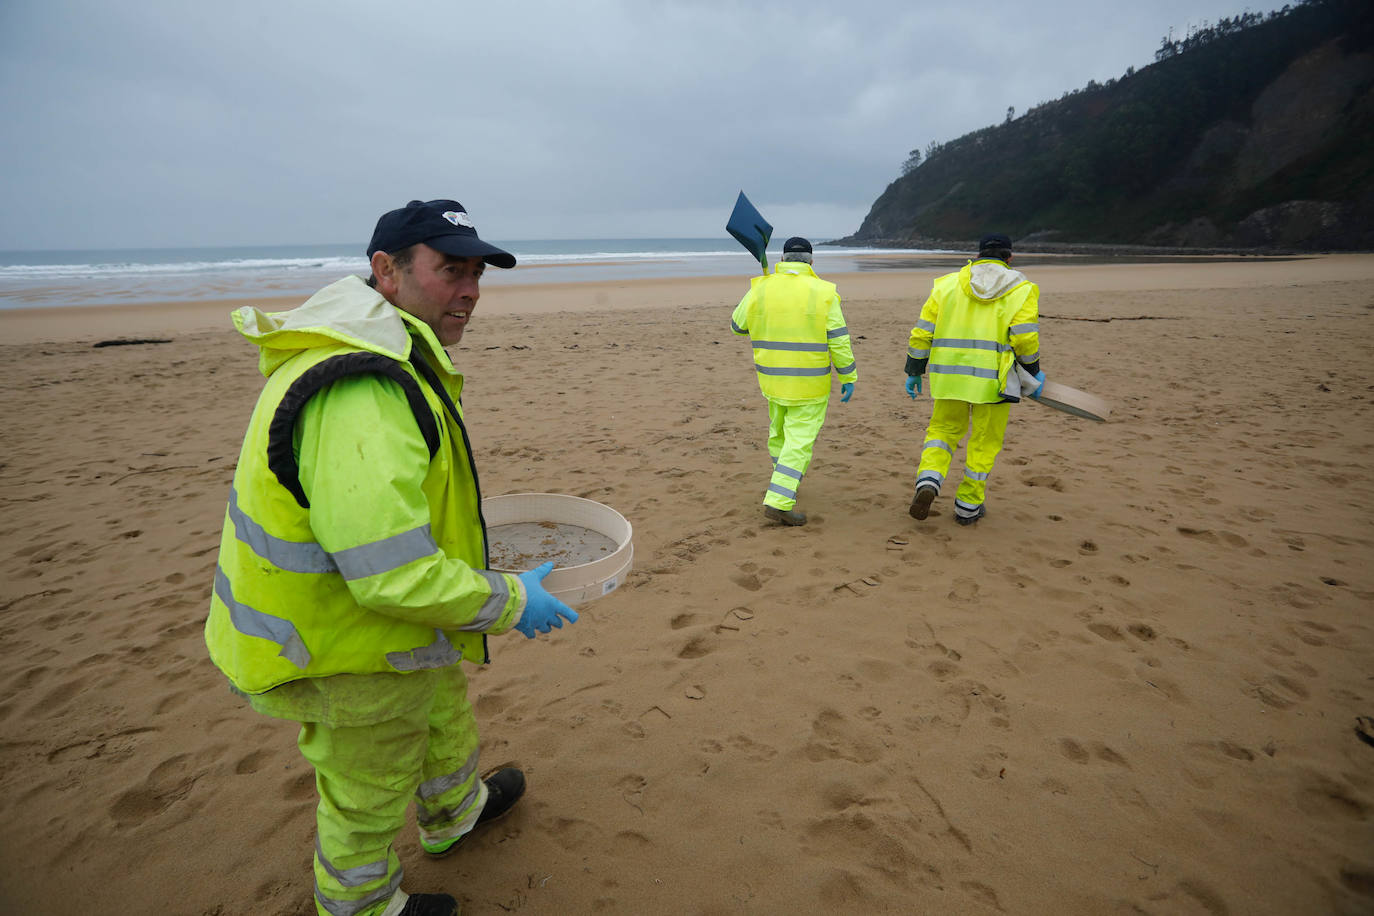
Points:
[(976, 325), (793, 320)]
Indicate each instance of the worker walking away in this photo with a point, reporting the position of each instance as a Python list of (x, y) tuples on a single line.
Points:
[(977, 324), (793, 320), (352, 576)]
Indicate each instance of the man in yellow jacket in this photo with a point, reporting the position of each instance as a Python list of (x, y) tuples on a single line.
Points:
[(797, 330), (975, 326), (352, 577)]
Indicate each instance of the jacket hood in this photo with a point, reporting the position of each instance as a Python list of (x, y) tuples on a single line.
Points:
[(989, 279), (797, 268), (794, 267), (347, 311)]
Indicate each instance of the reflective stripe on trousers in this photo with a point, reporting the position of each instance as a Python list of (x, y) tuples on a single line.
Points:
[(792, 432), (986, 425), (366, 776)]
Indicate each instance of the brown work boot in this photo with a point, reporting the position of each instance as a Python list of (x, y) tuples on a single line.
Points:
[(920, 504), (786, 516)]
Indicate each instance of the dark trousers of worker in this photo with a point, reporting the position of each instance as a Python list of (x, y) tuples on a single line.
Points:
[(792, 432), (377, 742), (986, 425)]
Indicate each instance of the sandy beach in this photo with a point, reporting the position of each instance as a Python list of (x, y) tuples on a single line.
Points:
[(1135, 687)]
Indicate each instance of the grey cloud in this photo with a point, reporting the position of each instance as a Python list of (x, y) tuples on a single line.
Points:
[(164, 123)]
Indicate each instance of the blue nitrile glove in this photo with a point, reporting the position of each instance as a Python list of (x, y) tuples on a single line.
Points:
[(846, 392), (542, 610), (1039, 377), (913, 385)]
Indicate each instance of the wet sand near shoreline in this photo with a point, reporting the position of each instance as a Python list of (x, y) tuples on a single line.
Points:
[(1136, 686)]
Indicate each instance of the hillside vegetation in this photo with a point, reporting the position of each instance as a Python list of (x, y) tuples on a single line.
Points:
[(1255, 133)]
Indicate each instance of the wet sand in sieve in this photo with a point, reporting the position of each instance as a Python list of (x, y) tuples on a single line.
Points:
[(524, 545)]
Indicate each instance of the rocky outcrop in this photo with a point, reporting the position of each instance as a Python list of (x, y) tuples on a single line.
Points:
[(1259, 139)]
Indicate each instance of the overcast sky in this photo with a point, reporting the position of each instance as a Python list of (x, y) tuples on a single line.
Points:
[(152, 123)]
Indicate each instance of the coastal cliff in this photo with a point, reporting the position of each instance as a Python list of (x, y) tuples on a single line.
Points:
[(1255, 134)]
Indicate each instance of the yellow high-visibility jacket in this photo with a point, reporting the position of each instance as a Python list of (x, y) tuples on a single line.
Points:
[(794, 323), (975, 323), (353, 541)]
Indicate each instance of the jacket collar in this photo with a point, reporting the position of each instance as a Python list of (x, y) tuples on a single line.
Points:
[(347, 311), (794, 267)]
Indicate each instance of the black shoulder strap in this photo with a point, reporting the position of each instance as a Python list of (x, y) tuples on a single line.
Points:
[(281, 456), (427, 373)]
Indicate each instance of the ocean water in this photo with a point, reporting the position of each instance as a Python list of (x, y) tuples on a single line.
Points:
[(31, 279)]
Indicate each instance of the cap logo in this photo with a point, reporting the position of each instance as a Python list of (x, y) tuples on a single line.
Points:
[(459, 218)]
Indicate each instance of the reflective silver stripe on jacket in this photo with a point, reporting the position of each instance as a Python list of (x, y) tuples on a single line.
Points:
[(784, 469), (969, 343), (292, 556), (1029, 358), (309, 557), (433, 788), (736, 328), (491, 609), (925, 325), (917, 354), (356, 876), (1025, 328), (252, 622), (439, 654), (838, 332), (782, 370), (964, 370), (843, 370), (790, 345), (387, 554), (354, 907)]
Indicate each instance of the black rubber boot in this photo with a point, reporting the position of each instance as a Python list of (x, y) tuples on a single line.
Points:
[(920, 503), (504, 788), (430, 905), (786, 516), (970, 519)]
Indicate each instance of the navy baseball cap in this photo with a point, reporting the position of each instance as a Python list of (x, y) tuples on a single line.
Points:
[(796, 243), (994, 240), (442, 225)]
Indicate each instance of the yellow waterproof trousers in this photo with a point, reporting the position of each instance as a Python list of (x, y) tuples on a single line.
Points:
[(792, 432), (376, 741), (986, 425)]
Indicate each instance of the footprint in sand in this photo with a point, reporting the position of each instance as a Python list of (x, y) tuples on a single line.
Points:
[(964, 589), (832, 737), (1278, 691), (168, 783), (1107, 631)]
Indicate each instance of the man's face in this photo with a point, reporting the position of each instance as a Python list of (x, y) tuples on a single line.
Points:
[(439, 289)]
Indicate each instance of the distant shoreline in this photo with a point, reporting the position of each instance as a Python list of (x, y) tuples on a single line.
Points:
[(1100, 249)]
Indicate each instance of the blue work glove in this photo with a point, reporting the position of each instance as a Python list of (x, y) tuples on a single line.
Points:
[(542, 610), (1039, 377), (913, 385), (846, 392)]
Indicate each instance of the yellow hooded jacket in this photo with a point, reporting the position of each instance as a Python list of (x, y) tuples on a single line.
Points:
[(975, 323), (353, 540)]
